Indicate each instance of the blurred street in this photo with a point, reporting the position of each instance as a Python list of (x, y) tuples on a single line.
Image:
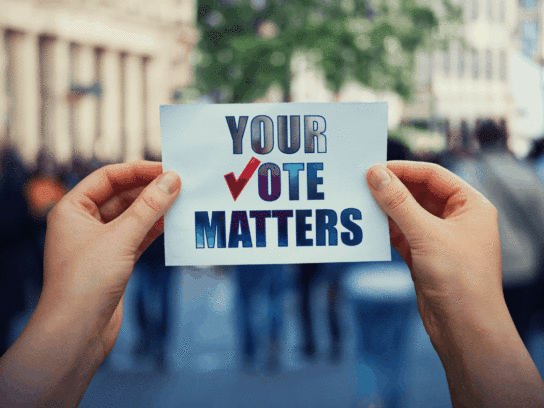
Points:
[(202, 373), (203, 367)]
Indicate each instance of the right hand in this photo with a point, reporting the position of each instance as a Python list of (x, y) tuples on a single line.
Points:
[(447, 233)]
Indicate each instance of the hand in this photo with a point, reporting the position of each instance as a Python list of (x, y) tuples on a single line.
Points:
[(447, 233), (445, 230), (95, 235)]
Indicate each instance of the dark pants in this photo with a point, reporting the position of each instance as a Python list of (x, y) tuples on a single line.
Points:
[(307, 276), (522, 302), (251, 279)]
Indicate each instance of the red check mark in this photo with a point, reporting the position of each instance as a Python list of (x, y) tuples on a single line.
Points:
[(236, 186)]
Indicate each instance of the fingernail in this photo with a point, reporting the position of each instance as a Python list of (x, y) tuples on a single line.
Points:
[(168, 182), (379, 177)]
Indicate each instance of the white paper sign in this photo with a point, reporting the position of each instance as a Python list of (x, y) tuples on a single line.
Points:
[(274, 183)]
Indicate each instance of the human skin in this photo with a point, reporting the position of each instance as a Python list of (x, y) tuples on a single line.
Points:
[(95, 235), (444, 229), (447, 233)]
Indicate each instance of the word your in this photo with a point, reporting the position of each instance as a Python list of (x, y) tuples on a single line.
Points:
[(262, 134)]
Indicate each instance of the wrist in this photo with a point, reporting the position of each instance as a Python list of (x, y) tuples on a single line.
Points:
[(455, 320), (77, 330), (468, 338), (52, 362), (453, 305)]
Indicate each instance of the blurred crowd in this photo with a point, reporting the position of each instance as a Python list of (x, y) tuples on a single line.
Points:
[(26, 196), (514, 186)]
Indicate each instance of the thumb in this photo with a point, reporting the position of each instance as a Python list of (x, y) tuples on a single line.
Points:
[(396, 200), (148, 207)]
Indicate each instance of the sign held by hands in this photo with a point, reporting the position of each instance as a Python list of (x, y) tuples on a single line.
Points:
[(274, 183)]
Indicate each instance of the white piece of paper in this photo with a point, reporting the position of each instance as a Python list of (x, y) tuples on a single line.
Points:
[(274, 183)]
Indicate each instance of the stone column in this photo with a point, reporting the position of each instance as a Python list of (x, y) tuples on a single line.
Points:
[(24, 122), (61, 86), (85, 75), (55, 56), (110, 145), (134, 108), (158, 93), (3, 90)]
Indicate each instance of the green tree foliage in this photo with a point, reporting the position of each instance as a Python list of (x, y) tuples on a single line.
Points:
[(247, 46)]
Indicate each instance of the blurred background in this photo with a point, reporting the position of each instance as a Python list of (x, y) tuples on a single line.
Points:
[(81, 85)]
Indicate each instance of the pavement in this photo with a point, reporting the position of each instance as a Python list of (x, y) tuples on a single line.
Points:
[(204, 367), (204, 364)]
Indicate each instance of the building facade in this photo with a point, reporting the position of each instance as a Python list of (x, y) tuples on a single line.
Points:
[(470, 81), (479, 80), (86, 77)]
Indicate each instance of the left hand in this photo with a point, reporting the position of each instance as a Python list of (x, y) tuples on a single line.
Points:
[(95, 235)]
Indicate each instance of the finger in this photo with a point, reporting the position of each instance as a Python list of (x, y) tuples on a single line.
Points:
[(429, 177), (118, 203), (137, 221), (104, 183), (430, 202), (450, 193), (156, 230), (398, 241), (396, 200)]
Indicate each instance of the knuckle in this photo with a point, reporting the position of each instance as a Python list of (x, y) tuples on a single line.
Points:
[(144, 208), (397, 199), (107, 170), (150, 202), (109, 167)]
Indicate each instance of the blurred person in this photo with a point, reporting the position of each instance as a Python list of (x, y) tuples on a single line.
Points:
[(43, 189), (79, 169), (309, 276), (448, 237), (397, 150), (17, 248), (253, 280), (427, 156), (518, 194), (382, 300), (153, 296), (26, 197), (312, 274), (536, 157)]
